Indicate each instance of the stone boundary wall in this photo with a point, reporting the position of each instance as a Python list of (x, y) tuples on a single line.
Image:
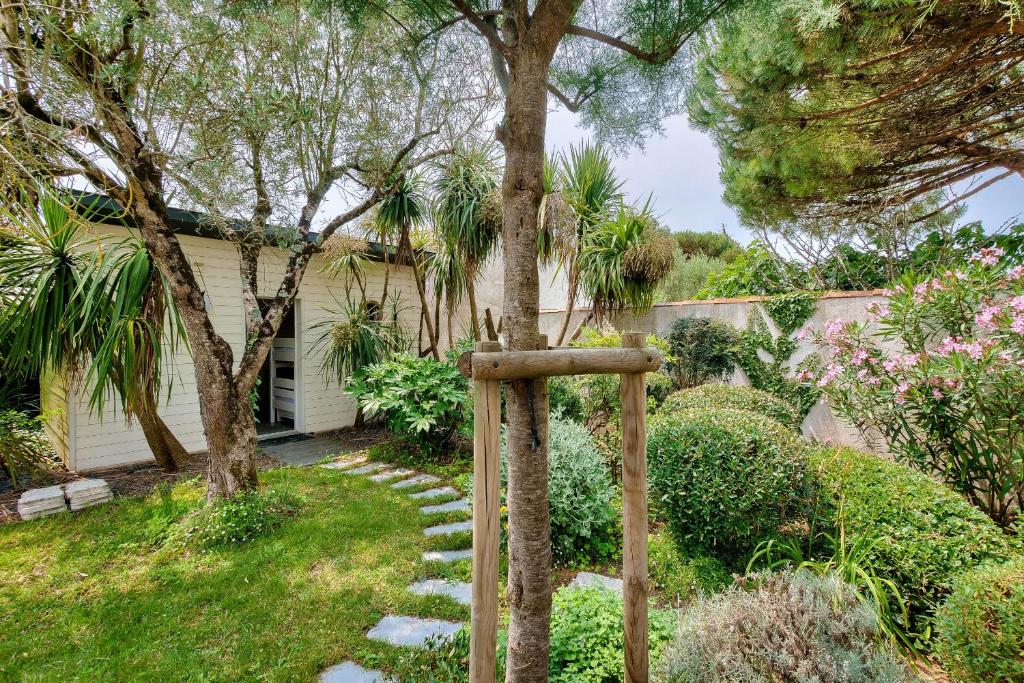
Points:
[(821, 423)]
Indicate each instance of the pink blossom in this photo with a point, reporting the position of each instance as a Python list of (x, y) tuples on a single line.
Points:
[(1015, 273), (835, 327), (877, 310), (989, 256), (986, 319), (974, 349), (901, 392), (859, 357), (805, 375), (948, 346), (802, 333), (831, 372), (891, 364), (862, 375), (937, 393), (1017, 303), (1018, 324)]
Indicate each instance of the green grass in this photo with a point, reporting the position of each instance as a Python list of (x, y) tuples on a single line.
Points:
[(100, 595)]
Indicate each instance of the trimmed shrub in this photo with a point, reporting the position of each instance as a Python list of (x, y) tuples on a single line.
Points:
[(565, 399), (659, 387), (980, 626), (702, 350), (679, 576), (724, 479), (931, 533), (790, 627), (583, 520), (711, 396), (587, 636), (242, 518)]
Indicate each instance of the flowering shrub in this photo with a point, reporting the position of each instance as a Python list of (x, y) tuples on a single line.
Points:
[(940, 378)]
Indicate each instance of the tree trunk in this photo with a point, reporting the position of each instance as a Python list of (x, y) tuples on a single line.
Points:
[(230, 436), (474, 317), (405, 244), (529, 539), (167, 449), (570, 303)]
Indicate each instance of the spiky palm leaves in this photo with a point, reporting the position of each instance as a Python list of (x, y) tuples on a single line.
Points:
[(357, 336), (467, 216), (73, 305), (623, 260)]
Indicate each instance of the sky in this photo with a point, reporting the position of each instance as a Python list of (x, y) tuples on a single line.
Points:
[(680, 172)]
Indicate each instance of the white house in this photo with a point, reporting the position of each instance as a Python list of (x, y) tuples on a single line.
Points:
[(295, 397)]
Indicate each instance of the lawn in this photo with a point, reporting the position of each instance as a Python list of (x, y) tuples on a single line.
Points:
[(100, 595)]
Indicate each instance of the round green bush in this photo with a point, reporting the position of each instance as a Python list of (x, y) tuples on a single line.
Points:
[(709, 396), (980, 626), (722, 478), (702, 350), (791, 627)]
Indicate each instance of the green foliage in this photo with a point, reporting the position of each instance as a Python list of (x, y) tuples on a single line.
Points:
[(784, 628), (443, 660), (583, 519), (688, 277), (565, 399), (792, 309), (679, 577), (702, 350), (756, 271), (659, 387), (587, 635), (240, 519), (354, 337), (712, 245), (931, 534), (723, 479), (24, 449), (420, 399), (980, 626), (714, 396)]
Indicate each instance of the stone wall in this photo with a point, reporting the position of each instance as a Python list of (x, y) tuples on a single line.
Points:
[(821, 423)]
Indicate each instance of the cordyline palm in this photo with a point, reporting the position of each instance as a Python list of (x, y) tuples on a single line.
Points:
[(467, 215), (587, 183), (623, 260), (74, 305), (404, 208), (450, 281)]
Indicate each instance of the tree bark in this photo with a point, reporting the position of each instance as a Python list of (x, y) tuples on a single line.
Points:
[(405, 244), (474, 317), (529, 540), (167, 449)]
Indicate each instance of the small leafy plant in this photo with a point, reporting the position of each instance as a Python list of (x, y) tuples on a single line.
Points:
[(240, 519), (24, 447)]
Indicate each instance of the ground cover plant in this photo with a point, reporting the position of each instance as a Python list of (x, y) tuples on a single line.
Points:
[(280, 607)]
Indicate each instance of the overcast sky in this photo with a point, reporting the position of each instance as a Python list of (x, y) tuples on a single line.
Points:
[(680, 172)]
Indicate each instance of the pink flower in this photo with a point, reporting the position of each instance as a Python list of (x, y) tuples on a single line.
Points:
[(1018, 324), (948, 346), (986, 319), (989, 256), (937, 393), (901, 392), (804, 375), (862, 375), (859, 357), (802, 333), (1017, 303), (831, 372), (835, 327), (891, 364), (877, 311), (974, 349), (1015, 273)]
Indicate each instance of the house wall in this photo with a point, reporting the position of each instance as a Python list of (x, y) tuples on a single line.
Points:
[(105, 440), (821, 423)]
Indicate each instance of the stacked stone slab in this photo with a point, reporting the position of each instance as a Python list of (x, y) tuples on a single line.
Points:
[(85, 493), (43, 502)]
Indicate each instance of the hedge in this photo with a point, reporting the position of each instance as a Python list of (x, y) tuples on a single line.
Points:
[(709, 396)]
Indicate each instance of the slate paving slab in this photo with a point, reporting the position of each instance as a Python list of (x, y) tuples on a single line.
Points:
[(463, 505), (85, 493), (350, 672), (412, 631), (447, 555), (460, 592), (434, 493), (367, 468), (345, 464), (415, 481), (589, 580), (43, 502), (390, 474), (447, 529)]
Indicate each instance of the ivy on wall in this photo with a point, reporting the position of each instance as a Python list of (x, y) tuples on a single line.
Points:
[(788, 311)]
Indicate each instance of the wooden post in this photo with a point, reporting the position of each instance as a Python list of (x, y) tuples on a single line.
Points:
[(634, 516), (486, 521)]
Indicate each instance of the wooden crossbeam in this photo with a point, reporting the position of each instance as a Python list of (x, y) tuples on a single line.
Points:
[(508, 365)]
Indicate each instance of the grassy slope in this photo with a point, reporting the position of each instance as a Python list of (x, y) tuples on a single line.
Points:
[(95, 595)]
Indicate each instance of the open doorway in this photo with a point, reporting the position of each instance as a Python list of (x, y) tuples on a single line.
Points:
[(277, 389)]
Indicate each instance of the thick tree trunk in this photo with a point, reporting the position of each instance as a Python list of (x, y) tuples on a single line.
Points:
[(167, 449), (230, 437), (529, 540)]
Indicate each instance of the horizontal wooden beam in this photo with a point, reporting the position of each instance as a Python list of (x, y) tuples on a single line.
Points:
[(507, 365)]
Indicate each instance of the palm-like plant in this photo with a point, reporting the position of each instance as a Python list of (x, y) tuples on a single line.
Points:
[(73, 305), (355, 337), (450, 280), (587, 184), (623, 260), (467, 215)]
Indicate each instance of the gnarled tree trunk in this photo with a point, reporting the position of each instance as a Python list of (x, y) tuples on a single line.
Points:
[(167, 449)]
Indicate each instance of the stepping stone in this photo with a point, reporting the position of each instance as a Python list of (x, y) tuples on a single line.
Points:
[(367, 468), (349, 672), (391, 474), (446, 529), (461, 593), (344, 465), (42, 502), (447, 555), (434, 493), (591, 580), (463, 505), (412, 631), (415, 481)]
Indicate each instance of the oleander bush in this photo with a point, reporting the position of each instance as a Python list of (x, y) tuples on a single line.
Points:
[(792, 627), (587, 635), (710, 396), (931, 534), (584, 524), (723, 478), (702, 350), (980, 626)]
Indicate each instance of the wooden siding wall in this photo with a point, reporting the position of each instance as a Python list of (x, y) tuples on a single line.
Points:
[(105, 441)]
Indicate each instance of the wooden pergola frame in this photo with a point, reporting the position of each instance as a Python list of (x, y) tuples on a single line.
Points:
[(488, 366)]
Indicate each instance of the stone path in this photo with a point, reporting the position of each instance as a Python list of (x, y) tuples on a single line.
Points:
[(405, 631)]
